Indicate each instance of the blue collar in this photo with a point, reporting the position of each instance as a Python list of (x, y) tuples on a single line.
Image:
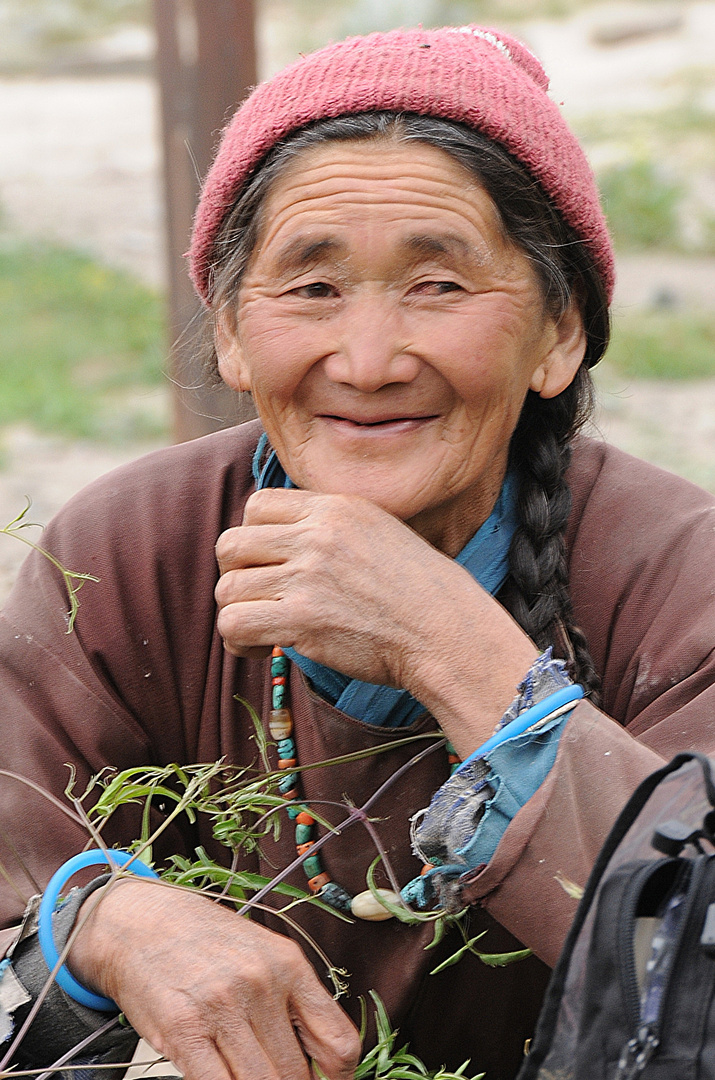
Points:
[(485, 556)]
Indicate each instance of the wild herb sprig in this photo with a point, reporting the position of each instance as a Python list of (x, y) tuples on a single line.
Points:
[(73, 579)]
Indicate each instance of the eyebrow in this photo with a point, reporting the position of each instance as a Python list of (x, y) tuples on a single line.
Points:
[(449, 244), (300, 254)]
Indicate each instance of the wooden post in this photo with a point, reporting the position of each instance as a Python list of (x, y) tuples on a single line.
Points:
[(206, 62)]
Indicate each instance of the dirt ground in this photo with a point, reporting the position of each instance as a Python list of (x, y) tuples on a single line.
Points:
[(81, 162)]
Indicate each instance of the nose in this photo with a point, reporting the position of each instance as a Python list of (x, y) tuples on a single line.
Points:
[(373, 349)]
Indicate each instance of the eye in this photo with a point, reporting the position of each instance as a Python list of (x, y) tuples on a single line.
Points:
[(436, 288), (315, 290)]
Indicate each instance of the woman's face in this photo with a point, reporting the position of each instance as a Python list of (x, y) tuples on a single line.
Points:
[(389, 332)]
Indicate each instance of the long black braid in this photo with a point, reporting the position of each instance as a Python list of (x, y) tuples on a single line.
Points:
[(541, 444), (540, 601)]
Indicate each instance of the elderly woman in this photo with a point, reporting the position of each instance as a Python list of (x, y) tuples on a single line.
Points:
[(403, 260)]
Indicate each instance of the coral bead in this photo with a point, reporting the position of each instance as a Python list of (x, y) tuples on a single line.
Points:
[(316, 883), (304, 818)]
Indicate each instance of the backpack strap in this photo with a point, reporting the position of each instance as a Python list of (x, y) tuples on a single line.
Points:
[(624, 821)]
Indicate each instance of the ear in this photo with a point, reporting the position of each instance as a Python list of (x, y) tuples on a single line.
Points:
[(568, 348), (231, 364)]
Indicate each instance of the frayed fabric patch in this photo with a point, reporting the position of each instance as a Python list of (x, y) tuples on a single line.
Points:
[(12, 995)]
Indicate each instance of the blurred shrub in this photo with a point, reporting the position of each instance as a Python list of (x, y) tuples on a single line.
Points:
[(664, 345), (81, 345), (641, 206)]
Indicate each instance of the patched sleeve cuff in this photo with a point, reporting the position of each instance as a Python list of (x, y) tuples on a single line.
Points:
[(469, 814)]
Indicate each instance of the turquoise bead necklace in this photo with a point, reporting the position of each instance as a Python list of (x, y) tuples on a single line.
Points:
[(280, 724)]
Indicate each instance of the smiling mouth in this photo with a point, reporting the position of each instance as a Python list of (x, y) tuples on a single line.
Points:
[(377, 424)]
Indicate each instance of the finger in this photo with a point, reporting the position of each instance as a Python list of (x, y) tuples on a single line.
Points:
[(279, 506), (261, 545), (196, 1056), (264, 1055), (202, 1065), (269, 1049), (251, 583), (252, 624), (326, 1032)]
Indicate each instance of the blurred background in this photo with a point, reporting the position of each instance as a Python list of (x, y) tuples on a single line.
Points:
[(88, 108)]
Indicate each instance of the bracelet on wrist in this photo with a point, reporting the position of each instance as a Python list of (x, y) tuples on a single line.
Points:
[(567, 695), (64, 978)]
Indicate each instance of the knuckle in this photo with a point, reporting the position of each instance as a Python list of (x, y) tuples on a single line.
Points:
[(256, 505), (255, 974), (291, 956), (221, 591), (226, 543), (225, 623), (348, 1050), (222, 596)]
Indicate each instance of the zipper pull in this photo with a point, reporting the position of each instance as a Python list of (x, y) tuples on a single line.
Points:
[(637, 1053)]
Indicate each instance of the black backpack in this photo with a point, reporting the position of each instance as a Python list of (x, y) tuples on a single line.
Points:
[(633, 992)]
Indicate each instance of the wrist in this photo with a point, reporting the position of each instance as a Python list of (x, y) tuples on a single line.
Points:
[(104, 933), (46, 924), (467, 671)]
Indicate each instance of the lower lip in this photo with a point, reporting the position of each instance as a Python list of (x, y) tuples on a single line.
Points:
[(389, 428)]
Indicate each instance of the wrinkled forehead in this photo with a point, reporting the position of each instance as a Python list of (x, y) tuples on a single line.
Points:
[(438, 205), (382, 212)]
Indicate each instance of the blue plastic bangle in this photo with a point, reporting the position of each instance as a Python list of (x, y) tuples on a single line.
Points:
[(47, 907), (565, 696)]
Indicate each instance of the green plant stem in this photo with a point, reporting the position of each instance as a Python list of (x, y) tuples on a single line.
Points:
[(73, 579), (358, 813)]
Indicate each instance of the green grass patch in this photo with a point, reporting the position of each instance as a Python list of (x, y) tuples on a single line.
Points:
[(664, 345), (641, 206), (81, 345)]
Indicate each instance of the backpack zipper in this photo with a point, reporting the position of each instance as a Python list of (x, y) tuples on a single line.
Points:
[(639, 1049), (637, 1052)]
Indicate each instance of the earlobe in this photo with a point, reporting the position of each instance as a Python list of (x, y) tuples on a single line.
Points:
[(231, 366), (558, 369)]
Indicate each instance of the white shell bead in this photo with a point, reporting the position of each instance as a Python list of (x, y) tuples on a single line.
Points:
[(366, 906)]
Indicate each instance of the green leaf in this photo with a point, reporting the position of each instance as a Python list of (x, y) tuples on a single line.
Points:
[(382, 1062), (502, 959), (457, 956)]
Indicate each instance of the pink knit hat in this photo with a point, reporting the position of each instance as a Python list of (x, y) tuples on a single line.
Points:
[(483, 78)]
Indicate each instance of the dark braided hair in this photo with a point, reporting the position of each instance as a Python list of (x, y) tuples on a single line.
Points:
[(540, 449), (541, 452)]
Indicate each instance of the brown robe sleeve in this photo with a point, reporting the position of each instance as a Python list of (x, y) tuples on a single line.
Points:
[(142, 674), (642, 577)]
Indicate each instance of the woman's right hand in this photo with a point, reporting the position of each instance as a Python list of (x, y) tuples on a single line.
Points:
[(219, 996)]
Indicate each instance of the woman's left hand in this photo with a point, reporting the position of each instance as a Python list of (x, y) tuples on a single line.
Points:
[(354, 588)]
